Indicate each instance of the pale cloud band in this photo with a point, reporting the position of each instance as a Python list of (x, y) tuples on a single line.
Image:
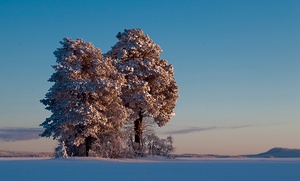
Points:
[(199, 129), (19, 134), (22, 134)]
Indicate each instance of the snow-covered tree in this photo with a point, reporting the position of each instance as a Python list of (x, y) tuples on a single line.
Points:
[(156, 146), (111, 144), (85, 98), (150, 90), (151, 143), (61, 150)]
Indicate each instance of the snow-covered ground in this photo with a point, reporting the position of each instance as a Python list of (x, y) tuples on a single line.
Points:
[(149, 169)]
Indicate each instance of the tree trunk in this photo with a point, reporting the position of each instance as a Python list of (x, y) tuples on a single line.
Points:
[(138, 130), (88, 145)]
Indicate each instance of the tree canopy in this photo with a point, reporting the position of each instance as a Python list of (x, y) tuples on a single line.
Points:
[(95, 97), (85, 97), (151, 90)]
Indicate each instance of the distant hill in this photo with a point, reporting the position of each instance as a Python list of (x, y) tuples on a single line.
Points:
[(191, 155), (4, 153), (278, 153)]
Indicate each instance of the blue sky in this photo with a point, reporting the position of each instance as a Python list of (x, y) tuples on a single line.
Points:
[(237, 64)]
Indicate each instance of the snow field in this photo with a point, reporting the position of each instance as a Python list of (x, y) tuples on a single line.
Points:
[(148, 169)]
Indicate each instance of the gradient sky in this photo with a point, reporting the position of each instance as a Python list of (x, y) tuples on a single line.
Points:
[(237, 64)]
